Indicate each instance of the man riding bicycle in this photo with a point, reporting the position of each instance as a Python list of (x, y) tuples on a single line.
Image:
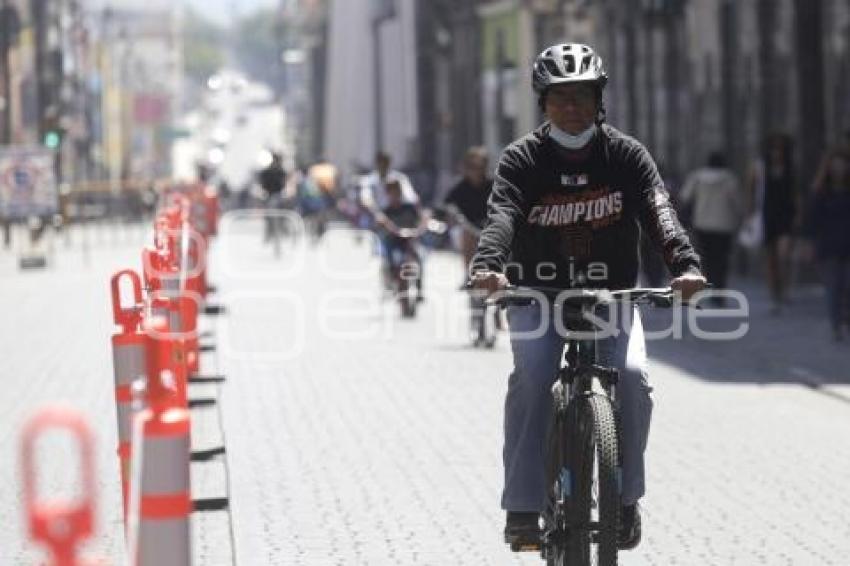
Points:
[(373, 187), (568, 205), (400, 224), (466, 204), (374, 198), (467, 201)]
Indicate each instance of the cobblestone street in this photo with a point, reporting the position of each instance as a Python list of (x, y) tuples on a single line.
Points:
[(354, 437)]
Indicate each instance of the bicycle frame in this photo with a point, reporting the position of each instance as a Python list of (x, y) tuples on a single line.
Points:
[(582, 375)]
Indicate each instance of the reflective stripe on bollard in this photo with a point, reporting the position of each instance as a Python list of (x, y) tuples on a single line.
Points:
[(166, 502)]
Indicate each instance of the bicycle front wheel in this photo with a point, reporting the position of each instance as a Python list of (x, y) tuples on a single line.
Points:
[(559, 482), (406, 299), (595, 511)]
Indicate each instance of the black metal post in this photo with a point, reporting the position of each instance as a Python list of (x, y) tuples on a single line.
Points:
[(729, 66), (649, 19), (811, 85), (5, 74), (384, 10), (379, 94)]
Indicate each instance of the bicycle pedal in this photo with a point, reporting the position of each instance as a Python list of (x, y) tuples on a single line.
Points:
[(525, 547)]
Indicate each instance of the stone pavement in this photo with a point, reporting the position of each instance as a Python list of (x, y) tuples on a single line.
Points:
[(353, 437), (55, 333), (357, 438)]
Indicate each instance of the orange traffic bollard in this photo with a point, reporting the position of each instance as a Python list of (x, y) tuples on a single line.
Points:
[(193, 300), (196, 276), (128, 356), (62, 526), (198, 217), (164, 536), (188, 304), (165, 299), (211, 201)]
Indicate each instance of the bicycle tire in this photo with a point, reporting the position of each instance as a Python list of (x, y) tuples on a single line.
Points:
[(476, 332), (559, 480), (488, 327), (596, 458), (407, 301)]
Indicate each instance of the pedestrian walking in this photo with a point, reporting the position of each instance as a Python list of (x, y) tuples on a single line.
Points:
[(716, 200), (829, 228), (773, 195)]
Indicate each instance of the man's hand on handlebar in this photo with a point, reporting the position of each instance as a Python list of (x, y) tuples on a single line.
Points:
[(490, 281), (688, 285)]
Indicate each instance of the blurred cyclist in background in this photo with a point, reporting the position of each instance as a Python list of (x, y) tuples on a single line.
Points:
[(401, 223), (374, 198), (467, 201), (272, 180)]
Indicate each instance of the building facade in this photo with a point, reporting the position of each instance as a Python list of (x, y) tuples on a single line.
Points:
[(98, 85), (687, 76)]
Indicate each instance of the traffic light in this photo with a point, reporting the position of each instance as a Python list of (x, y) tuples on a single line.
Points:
[(52, 131), (52, 139)]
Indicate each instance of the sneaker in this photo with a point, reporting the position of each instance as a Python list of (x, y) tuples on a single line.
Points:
[(522, 530), (630, 527)]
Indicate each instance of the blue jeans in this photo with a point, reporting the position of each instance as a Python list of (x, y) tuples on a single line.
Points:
[(528, 405)]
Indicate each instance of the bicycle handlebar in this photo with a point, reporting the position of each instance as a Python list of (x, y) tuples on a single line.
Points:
[(664, 297)]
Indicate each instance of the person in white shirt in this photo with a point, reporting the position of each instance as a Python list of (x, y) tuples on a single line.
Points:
[(373, 187), (374, 199), (717, 202)]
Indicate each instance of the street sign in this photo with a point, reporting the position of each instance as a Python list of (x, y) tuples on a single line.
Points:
[(27, 182)]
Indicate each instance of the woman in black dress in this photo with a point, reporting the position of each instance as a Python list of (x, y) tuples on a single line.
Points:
[(775, 193), (829, 227)]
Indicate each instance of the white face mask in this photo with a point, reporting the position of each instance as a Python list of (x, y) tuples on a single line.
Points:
[(570, 141)]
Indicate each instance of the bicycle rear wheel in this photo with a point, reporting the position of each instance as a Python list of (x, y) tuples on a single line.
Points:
[(595, 506)]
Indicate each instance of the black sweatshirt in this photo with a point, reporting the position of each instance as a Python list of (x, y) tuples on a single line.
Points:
[(471, 200), (562, 218)]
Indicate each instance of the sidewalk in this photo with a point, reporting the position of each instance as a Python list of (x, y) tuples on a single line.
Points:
[(795, 346)]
